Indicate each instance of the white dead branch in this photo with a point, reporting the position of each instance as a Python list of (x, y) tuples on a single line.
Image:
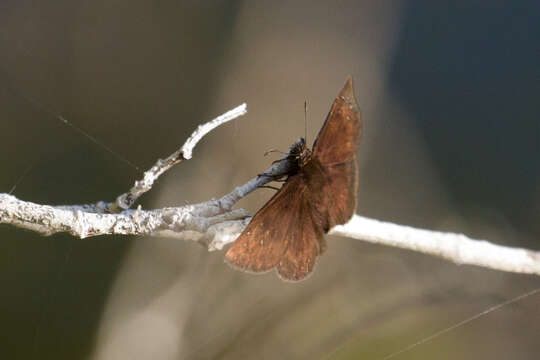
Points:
[(214, 224)]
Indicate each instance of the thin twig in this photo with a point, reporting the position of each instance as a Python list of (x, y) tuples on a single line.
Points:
[(126, 201)]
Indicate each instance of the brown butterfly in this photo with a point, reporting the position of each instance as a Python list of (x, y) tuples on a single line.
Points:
[(287, 233)]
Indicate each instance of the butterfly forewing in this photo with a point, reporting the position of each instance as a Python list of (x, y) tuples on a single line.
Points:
[(288, 232), (264, 241), (340, 135), (335, 148), (341, 193), (303, 251)]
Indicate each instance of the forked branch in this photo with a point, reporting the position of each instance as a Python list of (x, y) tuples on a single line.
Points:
[(214, 224)]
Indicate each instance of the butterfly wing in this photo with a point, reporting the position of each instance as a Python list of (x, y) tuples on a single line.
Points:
[(335, 149), (339, 137), (282, 234), (306, 243), (341, 192)]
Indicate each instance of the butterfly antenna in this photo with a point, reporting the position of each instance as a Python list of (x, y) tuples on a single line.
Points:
[(305, 120)]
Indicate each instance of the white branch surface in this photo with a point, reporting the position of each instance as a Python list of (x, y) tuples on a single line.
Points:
[(125, 201), (215, 225), (450, 246)]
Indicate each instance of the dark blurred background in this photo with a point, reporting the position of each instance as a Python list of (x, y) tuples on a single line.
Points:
[(449, 93)]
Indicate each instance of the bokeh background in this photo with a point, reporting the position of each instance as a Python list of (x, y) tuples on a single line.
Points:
[(450, 95)]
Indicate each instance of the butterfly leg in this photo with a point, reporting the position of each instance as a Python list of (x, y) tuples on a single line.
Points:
[(268, 187), (278, 178), (273, 151)]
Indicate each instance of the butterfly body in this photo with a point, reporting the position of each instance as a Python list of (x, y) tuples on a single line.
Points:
[(287, 233)]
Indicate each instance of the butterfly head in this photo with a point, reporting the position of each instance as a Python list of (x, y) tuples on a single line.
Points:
[(299, 152)]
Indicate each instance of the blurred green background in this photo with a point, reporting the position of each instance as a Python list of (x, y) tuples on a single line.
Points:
[(449, 93)]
